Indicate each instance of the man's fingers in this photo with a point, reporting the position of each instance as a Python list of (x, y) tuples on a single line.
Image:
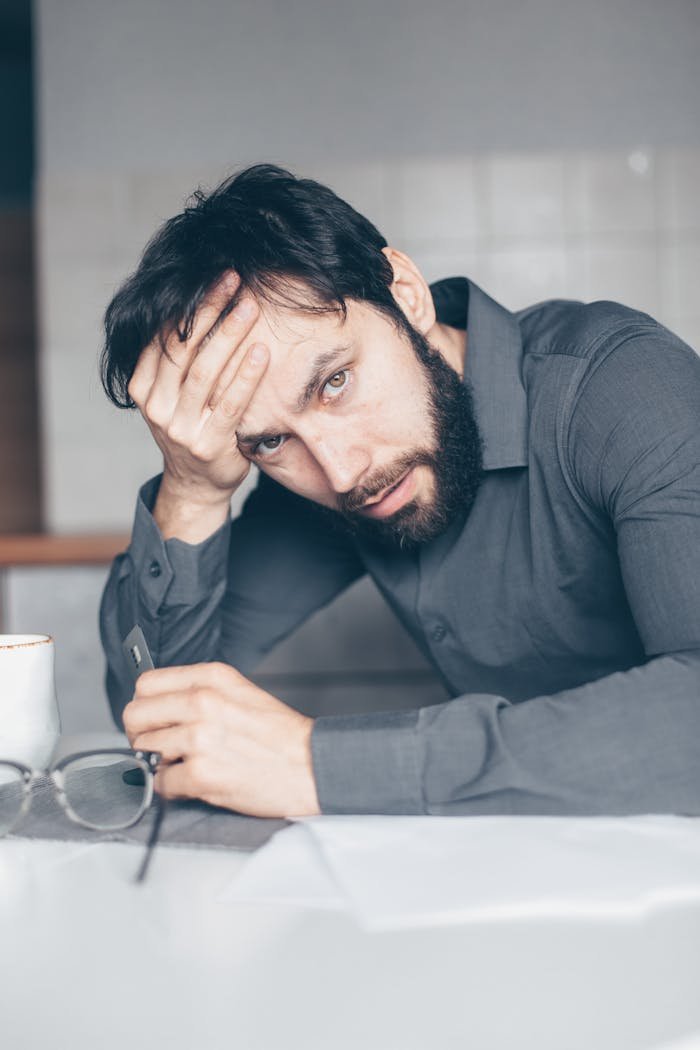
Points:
[(144, 375), (174, 742), (156, 712), (220, 352), (213, 305), (206, 319), (179, 780), (229, 409), (224, 381), (175, 363), (231, 366), (190, 676), (206, 364)]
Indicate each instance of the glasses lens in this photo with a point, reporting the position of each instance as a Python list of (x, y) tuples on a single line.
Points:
[(11, 796), (106, 790)]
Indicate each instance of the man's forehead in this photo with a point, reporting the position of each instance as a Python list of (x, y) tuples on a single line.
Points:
[(294, 327), (301, 346)]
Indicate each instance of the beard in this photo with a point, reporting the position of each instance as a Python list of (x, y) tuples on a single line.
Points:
[(455, 462)]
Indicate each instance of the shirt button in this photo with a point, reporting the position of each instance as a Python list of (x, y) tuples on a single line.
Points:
[(439, 632), (154, 569)]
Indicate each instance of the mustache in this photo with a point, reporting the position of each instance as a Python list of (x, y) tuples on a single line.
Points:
[(351, 502)]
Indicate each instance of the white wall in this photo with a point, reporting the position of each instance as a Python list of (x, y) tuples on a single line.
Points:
[(619, 224), (173, 84)]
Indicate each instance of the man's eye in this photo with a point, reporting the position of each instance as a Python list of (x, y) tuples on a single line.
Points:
[(337, 382), (269, 445)]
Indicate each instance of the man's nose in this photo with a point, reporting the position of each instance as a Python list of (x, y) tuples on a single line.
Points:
[(344, 462)]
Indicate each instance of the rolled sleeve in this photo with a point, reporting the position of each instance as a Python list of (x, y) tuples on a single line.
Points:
[(368, 763)]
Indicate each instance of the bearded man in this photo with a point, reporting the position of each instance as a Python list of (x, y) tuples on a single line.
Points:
[(523, 488)]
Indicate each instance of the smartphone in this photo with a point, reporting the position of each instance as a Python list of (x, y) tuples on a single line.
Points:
[(139, 658), (137, 653)]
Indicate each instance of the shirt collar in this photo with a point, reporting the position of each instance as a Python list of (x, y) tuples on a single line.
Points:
[(493, 368)]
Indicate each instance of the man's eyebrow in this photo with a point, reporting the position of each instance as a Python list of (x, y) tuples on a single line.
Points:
[(320, 366)]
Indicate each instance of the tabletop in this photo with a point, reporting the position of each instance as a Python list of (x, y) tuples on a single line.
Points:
[(91, 958)]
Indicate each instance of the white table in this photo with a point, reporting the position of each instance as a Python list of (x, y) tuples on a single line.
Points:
[(91, 960)]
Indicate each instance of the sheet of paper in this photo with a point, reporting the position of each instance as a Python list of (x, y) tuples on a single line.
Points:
[(290, 869), (425, 871), (399, 872)]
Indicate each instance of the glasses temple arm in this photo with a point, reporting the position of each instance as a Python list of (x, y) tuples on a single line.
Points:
[(152, 839)]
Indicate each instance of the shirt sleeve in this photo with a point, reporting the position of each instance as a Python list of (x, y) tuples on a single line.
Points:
[(627, 743), (230, 598)]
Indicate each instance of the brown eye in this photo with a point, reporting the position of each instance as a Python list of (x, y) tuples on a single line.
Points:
[(337, 381)]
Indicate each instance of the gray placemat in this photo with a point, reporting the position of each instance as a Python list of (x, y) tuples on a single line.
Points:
[(187, 823)]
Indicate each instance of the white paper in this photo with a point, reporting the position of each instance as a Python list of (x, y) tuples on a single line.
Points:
[(687, 1042), (425, 871), (397, 872), (289, 869)]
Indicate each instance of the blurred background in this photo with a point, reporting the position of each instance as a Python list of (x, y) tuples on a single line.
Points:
[(543, 148)]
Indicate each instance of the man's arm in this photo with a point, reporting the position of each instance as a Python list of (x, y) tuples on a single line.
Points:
[(200, 588), (231, 597), (627, 743)]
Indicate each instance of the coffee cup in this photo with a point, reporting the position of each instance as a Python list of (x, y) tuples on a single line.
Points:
[(29, 720)]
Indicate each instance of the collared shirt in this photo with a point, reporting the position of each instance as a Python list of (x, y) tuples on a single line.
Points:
[(562, 613)]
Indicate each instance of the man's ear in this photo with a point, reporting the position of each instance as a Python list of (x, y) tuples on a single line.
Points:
[(410, 290)]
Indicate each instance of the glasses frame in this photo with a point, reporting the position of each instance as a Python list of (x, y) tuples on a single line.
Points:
[(148, 762)]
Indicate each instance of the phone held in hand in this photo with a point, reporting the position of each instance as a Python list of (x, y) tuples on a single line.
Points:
[(137, 652), (139, 659)]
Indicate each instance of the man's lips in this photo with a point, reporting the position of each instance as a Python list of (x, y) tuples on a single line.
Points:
[(393, 498)]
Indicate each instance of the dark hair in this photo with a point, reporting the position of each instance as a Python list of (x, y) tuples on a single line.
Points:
[(290, 240)]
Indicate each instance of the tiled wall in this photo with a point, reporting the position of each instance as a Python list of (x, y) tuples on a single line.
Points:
[(615, 225), (619, 224)]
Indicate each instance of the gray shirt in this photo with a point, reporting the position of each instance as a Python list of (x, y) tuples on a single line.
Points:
[(563, 614)]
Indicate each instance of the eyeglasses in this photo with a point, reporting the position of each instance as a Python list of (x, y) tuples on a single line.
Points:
[(106, 790)]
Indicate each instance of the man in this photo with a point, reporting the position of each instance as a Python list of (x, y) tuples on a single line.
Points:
[(524, 489)]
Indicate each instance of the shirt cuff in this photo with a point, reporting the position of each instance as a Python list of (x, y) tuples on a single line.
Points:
[(183, 573), (368, 763)]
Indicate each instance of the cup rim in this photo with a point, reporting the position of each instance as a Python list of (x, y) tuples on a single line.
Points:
[(23, 641)]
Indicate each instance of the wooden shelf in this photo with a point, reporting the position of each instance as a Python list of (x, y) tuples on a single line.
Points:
[(38, 549)]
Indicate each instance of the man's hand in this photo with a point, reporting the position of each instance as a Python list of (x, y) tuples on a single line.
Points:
[(223, 740), (193, 397)]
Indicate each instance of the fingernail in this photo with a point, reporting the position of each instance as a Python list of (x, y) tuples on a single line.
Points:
[(258, 354)]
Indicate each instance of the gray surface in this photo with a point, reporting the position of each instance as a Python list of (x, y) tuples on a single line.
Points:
[(184, 824)]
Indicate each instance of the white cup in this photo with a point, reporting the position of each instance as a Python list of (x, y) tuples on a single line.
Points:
[(29, 722)]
